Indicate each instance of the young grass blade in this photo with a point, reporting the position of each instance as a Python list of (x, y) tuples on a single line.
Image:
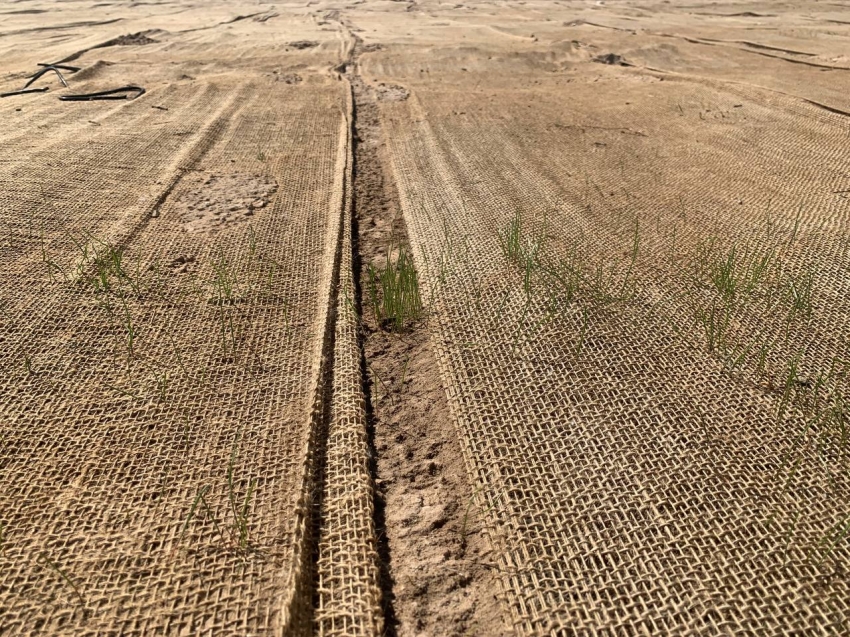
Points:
[(201, 492), (46, 560), (833, 537)]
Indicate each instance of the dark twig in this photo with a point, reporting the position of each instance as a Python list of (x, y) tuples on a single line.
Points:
[(112, 94)]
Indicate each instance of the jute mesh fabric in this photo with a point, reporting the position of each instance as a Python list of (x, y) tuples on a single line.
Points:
[(169, 272), (107, 450), (655, 449), (631, 225)]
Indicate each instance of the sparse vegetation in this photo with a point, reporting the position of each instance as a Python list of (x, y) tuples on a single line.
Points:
[(49, 563), (232, 402), (511, 238), (238, 531), (394, 291), (240, 513)]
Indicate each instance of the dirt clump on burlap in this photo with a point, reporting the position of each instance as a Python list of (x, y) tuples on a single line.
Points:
[(216, 200), (391, 92)]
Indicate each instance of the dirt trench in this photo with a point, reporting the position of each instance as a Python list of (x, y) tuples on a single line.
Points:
[(437, 572)]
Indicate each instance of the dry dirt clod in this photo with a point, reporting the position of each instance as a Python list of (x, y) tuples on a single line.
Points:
[(611, 58)]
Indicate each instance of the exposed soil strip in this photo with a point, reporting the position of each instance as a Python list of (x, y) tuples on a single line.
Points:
[(436, 567)]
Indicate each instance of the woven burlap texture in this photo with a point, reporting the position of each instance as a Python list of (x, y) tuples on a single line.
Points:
[(634, 480), (169, 286)]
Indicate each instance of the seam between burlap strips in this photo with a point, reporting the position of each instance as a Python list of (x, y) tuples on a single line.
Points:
[(331, 407), (125, 231), (349, 598)]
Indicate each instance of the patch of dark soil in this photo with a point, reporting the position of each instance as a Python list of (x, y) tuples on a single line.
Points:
[(132, 39), (436, 563), (287, 78), (391, 92), (303, 44), (611, 58), (182, 264)]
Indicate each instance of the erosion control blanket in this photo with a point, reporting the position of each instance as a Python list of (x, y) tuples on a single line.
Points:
[(168, 268), (636, 253), (631, 226)]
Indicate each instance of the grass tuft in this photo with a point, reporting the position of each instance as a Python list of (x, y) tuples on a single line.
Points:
[(394, 292)]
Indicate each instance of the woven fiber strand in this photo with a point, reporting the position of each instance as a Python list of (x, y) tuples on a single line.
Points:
[(161, 418), (635, 480)]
